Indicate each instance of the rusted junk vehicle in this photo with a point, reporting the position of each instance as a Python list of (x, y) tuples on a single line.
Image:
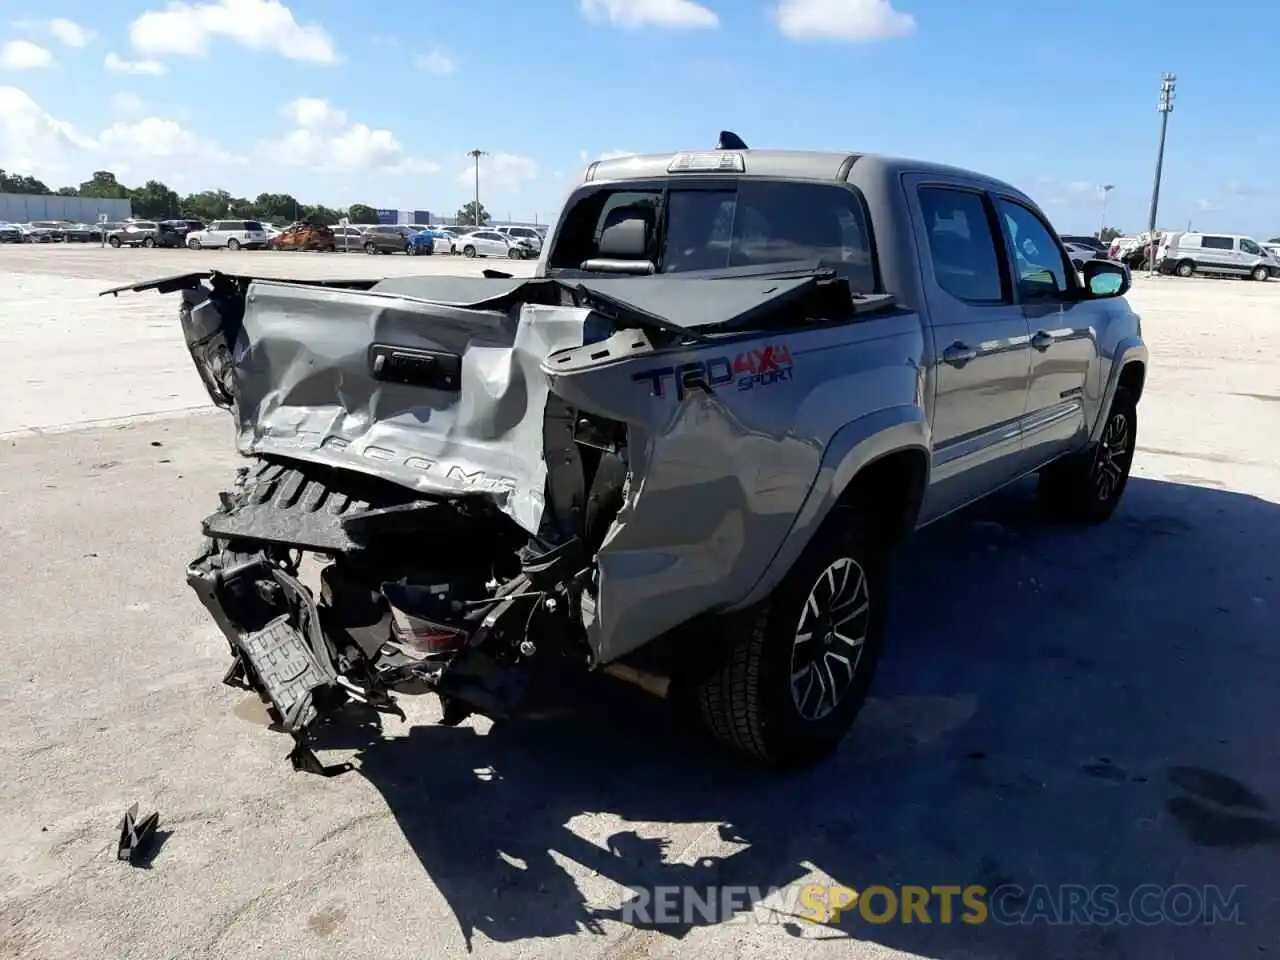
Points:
[(304, 236)]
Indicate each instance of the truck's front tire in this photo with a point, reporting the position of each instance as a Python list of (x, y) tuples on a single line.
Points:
[(1086, 487), (796, 672)]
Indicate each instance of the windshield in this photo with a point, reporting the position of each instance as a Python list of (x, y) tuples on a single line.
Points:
[(741, 223)]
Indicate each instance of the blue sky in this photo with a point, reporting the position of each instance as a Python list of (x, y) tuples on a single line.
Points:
[(378, 102)]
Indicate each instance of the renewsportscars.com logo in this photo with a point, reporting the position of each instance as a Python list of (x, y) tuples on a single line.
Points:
[(749, 370)]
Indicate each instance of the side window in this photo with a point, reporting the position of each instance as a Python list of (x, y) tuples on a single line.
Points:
[(1038, 267), (1217, 243), (1249, 247), (966, 261)]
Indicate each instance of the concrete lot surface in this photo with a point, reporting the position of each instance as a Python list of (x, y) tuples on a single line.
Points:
[(1056, 707)]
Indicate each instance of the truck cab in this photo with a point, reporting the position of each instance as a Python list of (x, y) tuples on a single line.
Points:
[(1005, 356)]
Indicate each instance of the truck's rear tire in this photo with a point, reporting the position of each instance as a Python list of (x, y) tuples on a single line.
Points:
[(1186, 268), (1087, 487), (821, 630)]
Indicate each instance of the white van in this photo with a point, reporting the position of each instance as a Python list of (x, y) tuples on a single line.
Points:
[(1230, 254)]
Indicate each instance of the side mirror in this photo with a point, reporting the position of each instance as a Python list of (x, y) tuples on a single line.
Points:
[(1106, 278)]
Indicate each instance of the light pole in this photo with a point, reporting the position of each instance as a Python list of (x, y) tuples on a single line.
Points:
[(1167, 83), (1106, 192), (476, 155)]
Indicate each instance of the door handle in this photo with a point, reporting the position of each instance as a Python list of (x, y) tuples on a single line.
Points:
[(1043, 341), (958, 354)]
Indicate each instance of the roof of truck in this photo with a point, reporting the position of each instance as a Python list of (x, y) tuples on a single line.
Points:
[(835, 166)]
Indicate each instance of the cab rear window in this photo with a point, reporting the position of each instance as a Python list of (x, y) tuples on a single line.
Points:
[(736, 224)]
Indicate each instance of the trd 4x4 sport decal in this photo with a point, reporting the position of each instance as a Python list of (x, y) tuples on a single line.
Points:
[(750, 371)]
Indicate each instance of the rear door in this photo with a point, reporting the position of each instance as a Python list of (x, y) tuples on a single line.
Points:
[(1062, 329), (980, 343)]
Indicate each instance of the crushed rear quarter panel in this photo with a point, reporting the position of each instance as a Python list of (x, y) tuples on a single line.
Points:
[(720, 476)]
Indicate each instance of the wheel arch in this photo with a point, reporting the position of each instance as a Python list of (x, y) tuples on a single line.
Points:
[(882, 454), (1128, 369)]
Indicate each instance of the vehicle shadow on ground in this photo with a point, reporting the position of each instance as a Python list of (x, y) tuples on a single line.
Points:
[(1058, 706)]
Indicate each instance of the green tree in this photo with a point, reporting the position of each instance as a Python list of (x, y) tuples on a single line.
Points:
[(362, 213), (68, 192), (471, 213), (1107, 234), (319, 213), (206, 205), (1274, 240), (20, 183), (277, 206), (155, 201), (104, 186)]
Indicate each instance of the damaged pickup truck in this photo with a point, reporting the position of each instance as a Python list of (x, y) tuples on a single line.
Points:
[(680, 453)]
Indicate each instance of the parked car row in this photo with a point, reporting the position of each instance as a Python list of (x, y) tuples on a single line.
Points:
[(50, 231), (510, 242)]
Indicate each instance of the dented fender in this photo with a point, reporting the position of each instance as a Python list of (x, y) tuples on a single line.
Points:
[(727, 440), (855, 447)]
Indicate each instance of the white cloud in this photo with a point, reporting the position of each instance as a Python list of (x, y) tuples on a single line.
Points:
[(1081, 187), (264, 25), (507, 171), (436, 61), (117, 64), (70, 32), (312, 113), (322, 141), (633, 14), (32, 141), (127, 103), (1208, 206), (586, 157), (856, 21), (160, 139), (24, 55)]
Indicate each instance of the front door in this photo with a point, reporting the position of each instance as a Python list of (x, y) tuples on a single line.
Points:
[(981, 361), (1063, 334), (1250, 254)]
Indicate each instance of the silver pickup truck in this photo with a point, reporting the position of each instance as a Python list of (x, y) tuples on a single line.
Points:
[(681, 453)]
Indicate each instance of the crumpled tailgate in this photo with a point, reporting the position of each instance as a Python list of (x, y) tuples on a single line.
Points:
[(435, 397)]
